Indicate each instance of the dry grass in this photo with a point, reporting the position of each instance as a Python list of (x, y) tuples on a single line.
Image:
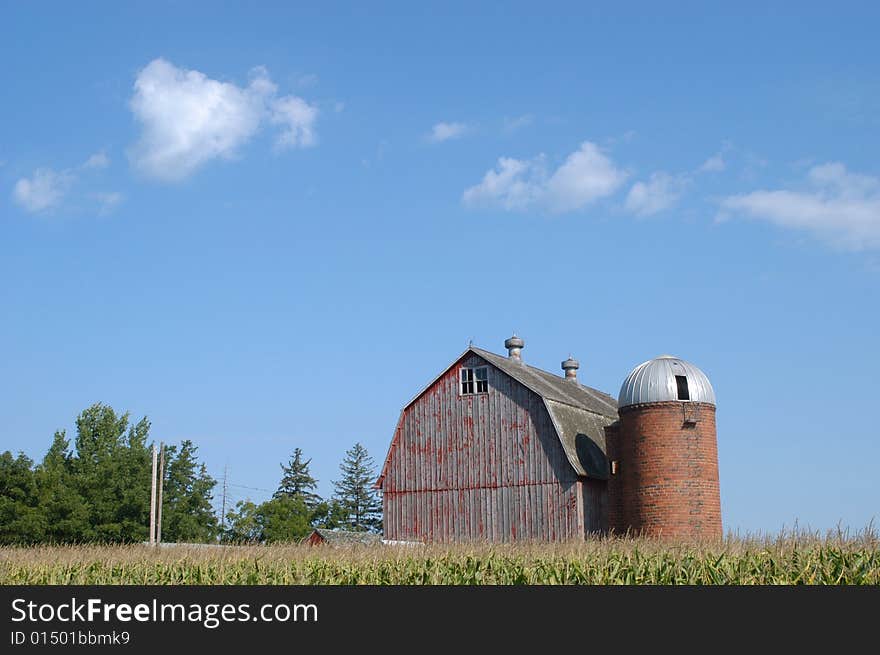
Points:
[(792, 558)]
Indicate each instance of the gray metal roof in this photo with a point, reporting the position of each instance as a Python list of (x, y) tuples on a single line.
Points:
[(654, 381), (553, 387)]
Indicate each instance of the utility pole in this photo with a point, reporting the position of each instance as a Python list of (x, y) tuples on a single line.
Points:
[(159, 503), (153, 501), (223, 505)]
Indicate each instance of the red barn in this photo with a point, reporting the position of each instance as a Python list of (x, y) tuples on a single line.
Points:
[(496, 450)]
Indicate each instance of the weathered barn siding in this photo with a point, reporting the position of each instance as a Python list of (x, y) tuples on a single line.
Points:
[(483, 467)]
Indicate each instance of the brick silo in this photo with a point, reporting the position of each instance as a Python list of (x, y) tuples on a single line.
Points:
[(665, 453)]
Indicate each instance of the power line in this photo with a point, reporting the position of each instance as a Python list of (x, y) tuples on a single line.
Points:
[(241, 486)]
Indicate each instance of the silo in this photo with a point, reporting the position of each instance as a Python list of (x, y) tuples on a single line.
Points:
[(665, 465)]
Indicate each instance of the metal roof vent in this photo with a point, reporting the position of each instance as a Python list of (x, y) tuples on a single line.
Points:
[(571, 366), (663, 379), (514, 347)]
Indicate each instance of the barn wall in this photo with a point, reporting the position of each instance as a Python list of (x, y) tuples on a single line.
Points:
[(483, 467), (595, 501)]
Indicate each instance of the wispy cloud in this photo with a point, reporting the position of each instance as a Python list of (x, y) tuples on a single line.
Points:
[(43, 191), (98, 160), (715, 164), (47, 189), (297, 118), (445, 131), (306, 80), (585, 176), (517, 122), (189, 119), (108, 201), (661, 192), (837, 206)]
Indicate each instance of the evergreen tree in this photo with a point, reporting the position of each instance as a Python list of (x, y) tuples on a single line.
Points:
[(187, 513), (296, 481), (355, 491), (67, 517), (21, 521)]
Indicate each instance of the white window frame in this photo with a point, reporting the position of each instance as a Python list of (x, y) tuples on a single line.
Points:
[(468, 375)]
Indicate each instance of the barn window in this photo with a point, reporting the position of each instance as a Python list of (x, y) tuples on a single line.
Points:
[(682, 382), (474, 380)]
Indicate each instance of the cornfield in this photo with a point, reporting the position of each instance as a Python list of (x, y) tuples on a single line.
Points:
[(785, 559)]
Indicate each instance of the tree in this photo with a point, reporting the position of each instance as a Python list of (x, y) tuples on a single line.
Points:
[(297, 481), (112, 474), (355, 491), (243, 524), (100, 489), (289, 515), (67, 517), (187, 514), (285, 519), (21, 521), (330, 514), (281, 519)]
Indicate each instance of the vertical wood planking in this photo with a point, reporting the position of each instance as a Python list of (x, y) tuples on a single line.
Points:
[(483, 467)]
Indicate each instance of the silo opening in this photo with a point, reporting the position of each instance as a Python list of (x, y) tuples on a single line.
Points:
[(682, 382)]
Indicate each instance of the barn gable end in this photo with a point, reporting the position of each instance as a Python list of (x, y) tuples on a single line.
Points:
[(508, 464)]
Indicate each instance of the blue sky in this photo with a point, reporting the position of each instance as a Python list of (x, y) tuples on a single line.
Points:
[(267, 226)]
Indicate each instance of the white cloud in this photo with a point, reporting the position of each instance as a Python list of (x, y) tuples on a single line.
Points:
[(584, 177), (715, 164), (48, 189), (719, 161), (43, 191), (446, 131), (659, 193), (189, 119), (98, 160), (108, 201), (513, 185), (840, 207), (298, 118)]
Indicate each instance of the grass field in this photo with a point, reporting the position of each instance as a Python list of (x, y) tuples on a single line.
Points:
[(786, 559)]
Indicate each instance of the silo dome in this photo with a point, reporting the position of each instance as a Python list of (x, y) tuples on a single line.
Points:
[(665, 378)]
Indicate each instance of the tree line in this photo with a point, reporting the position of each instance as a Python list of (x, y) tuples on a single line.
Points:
[(97, 489)]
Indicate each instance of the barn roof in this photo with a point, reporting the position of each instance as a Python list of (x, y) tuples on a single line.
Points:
[(552, 387), (579, 413)]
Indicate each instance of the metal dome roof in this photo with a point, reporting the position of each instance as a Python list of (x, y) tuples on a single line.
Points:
[(655, 381)]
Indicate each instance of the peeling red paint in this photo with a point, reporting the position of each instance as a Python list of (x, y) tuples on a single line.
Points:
[(486, 466)]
